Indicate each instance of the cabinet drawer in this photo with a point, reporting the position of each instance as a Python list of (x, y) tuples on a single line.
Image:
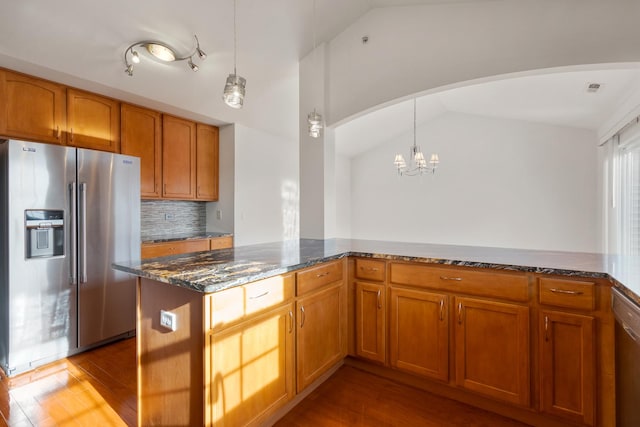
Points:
[(317, 277), (221, 242), (152, 250), (510, 286), (567, 293), (238, 303), (369, 269)]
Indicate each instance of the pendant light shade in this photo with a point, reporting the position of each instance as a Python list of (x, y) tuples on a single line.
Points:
[(234, 90), (315, 124)]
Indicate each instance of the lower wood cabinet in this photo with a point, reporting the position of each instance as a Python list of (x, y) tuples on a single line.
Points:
[(321, 340), (252, 369), (370, 321), (492, 349), (419, 332), (567, 366)]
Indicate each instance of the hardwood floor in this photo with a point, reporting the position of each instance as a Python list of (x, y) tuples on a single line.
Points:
[(355, 398), (98, 388)]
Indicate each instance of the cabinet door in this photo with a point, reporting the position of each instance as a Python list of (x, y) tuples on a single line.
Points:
[(419, 333), (567, 366), (251, 372), (492, 349), (93, 121), (370, 321), (32, 109), (141, 135), (207, 160), (178, 158), (321, 341)]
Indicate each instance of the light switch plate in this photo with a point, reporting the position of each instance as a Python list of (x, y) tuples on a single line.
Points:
[(168, 320)]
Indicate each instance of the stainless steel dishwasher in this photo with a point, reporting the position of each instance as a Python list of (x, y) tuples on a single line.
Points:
[(627, 314)]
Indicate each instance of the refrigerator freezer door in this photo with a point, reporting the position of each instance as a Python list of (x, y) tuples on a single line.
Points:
[(109, 231), (39, 297)]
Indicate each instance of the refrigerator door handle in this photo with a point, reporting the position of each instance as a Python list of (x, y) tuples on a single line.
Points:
[(73, 278), (82, 214)]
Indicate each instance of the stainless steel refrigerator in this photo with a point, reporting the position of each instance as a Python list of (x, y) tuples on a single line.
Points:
[(67, 215)]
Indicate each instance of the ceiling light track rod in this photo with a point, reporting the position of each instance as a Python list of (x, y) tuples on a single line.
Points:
[(163, 52)]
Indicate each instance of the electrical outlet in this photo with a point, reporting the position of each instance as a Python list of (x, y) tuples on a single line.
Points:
[(218, 214), (168, 217), (168, 320)]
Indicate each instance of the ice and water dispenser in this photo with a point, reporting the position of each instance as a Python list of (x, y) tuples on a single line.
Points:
[(44, 233)]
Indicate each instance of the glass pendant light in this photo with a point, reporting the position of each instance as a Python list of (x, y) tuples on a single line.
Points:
[(234, 88), (314, 119)]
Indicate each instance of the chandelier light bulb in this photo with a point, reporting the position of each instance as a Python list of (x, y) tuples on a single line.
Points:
[(135, 58)]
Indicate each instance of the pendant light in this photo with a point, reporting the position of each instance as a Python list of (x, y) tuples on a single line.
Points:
[(234, 88), (314, 119), (417, 162)]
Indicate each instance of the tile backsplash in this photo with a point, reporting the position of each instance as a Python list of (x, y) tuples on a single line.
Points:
[(163, 217)]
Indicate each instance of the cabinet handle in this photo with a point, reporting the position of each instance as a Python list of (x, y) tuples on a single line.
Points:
[(198, 190), (259, 296), (369, 268), (290, 321), (71, 135), (563, 291), (302, 316), (322, 274), (546, 328), (441, 309), (58, 133), (379, 300), (164, 189), (459, 313), (455, 279)]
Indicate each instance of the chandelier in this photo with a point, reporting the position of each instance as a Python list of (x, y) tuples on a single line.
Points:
[(418, 165)]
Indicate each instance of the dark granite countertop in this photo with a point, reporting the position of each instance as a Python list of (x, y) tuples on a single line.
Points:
[(214, 271), (184, 236)]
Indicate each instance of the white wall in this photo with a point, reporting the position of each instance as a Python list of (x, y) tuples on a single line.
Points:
[(501, 183), (343, 196), (413, 49), (266, 203), (225, 203)]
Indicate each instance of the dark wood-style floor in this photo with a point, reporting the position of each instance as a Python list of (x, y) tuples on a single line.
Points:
[(98, 388)]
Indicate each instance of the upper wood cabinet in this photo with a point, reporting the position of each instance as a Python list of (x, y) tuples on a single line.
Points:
[(93, 121), (32, 109), (207, 160), (178, 158), (141, 134)]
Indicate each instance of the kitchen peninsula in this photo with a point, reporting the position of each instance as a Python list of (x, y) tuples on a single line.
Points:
[(251, 330)]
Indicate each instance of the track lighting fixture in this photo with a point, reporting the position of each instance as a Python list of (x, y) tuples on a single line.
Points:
[(161, 51)]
